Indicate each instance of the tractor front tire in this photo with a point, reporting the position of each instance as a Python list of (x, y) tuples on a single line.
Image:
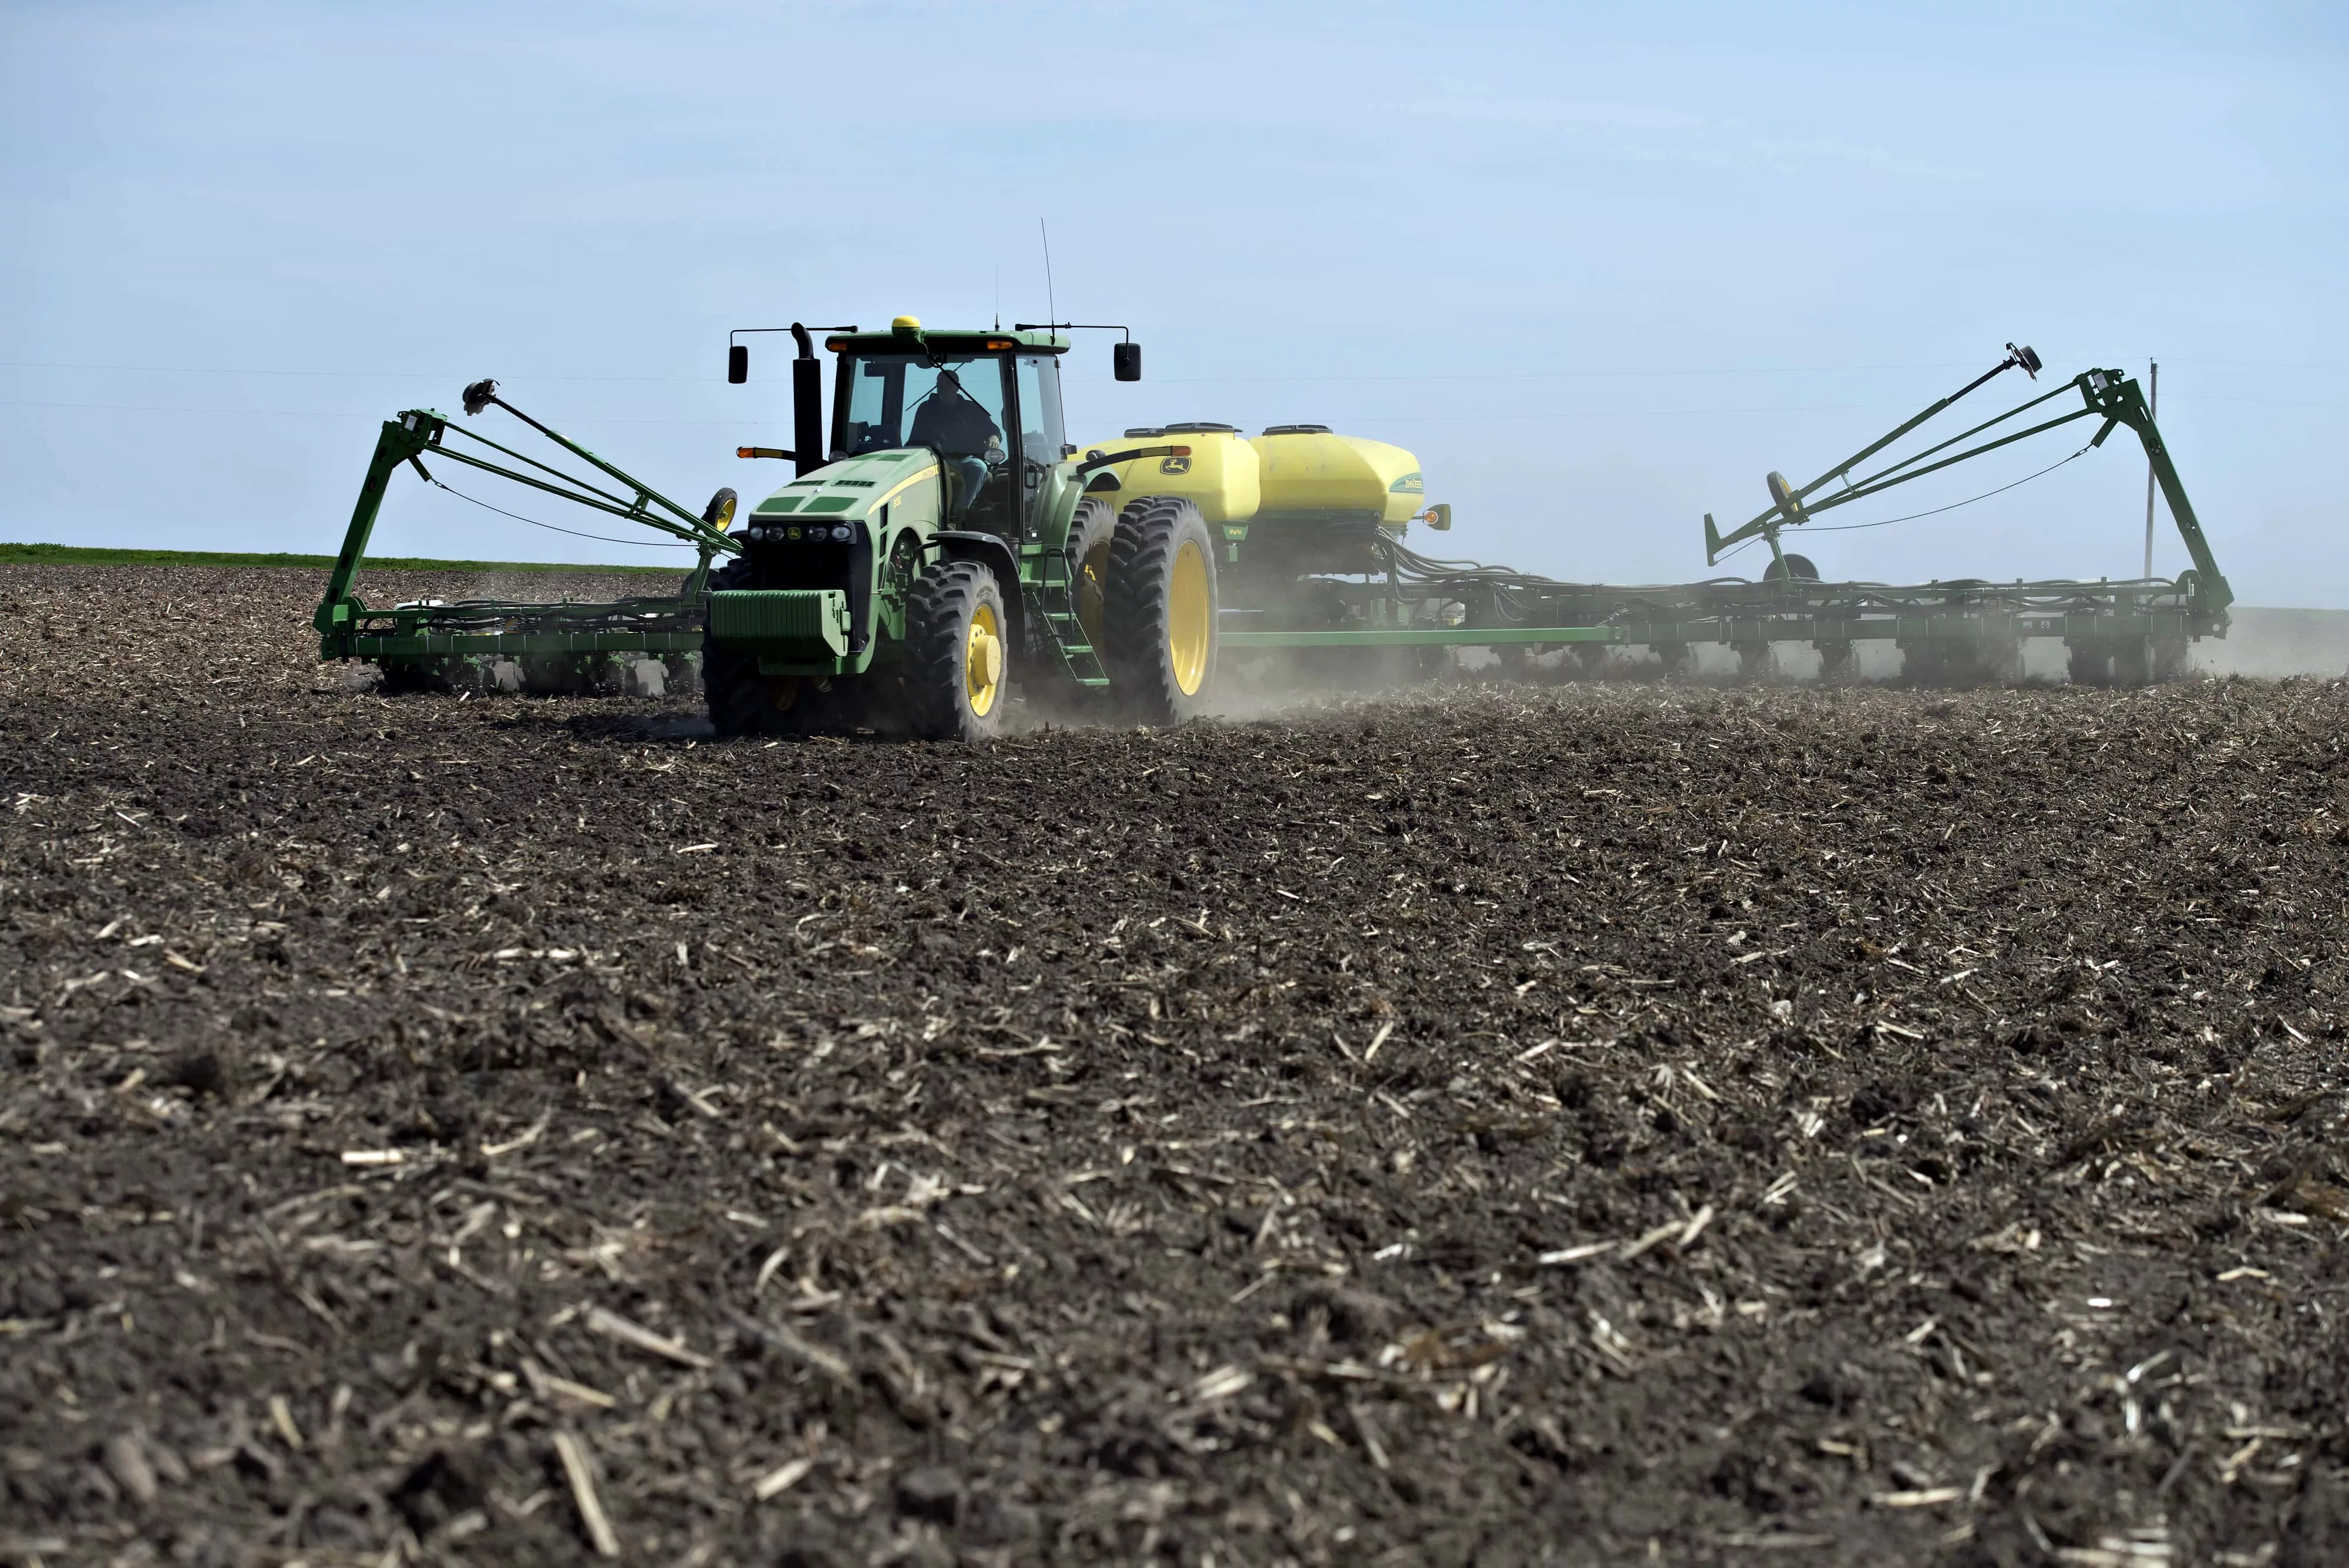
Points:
[(957, 654), (741, 701), (1159, 614)]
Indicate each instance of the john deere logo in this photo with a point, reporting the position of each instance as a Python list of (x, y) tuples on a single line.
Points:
[(1173, 465), (1409, 484)]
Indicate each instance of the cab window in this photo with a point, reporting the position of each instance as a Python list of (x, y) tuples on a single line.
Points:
[(1042, 433), (956, 406)]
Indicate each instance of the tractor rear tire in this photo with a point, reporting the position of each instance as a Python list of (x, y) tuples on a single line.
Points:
[(1161, 609), (957, 654), (1053, 692), (1092, 533)]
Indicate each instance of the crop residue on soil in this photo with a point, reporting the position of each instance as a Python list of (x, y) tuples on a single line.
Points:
[(1499, 1124)]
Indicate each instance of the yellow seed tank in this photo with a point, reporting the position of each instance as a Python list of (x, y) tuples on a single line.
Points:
[(1290, 473), (1311, 472), (1219, 476)]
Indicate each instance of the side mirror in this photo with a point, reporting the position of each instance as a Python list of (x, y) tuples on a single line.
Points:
[(1125, 361), (1438, 517), (738, 362)]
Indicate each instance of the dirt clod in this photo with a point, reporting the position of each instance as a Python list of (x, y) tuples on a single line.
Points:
[(930, 1493)]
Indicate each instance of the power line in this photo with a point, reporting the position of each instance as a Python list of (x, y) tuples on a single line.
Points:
[(1953, 506), (341, 375), (754, 422), (329, 414), (1612, 373), (1911, 518), (752, 419), (604, 538)]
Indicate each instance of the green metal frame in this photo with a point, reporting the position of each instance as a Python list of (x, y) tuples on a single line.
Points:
[(429, 635), (2106, 394), (1496, 607), (1419, 603), (1422, 637)]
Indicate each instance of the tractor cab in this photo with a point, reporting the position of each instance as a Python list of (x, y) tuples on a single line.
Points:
[(988, 404)]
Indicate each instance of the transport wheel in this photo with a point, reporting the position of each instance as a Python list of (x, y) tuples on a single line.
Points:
[(1797, 568), (1160, 610), (1922, 665), (1590, 660), (1753, 660), (2168, 658), (1836, 661), (957, 654), (1674, 656), (2133, 661)]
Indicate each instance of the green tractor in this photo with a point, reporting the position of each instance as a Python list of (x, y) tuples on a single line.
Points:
[(940, 550)]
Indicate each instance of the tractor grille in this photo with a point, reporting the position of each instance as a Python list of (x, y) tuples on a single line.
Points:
[(794, 621)]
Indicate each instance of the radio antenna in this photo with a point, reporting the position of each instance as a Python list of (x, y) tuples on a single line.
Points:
[(1052, 307)]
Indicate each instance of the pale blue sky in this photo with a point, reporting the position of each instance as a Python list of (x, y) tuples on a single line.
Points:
[(1601, 266)]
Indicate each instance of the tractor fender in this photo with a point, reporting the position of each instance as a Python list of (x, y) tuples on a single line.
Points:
[(963, 545)]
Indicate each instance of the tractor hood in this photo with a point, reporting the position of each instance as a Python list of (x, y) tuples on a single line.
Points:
[(851, 489)]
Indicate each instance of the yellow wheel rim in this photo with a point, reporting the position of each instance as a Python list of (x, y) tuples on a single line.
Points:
[(982, 663), (1190, 618), (1091, 590)]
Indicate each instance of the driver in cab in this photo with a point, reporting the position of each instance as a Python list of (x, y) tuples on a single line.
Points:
[(951, 422)]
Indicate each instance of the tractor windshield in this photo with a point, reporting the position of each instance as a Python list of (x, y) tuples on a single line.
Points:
[(954, 405)]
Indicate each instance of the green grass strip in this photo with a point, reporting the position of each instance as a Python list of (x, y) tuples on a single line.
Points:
[(100, 555)]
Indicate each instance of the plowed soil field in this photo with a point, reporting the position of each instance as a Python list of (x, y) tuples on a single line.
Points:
[(1487, 1124)]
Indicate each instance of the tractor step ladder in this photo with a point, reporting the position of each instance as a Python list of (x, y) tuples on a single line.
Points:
[(1046, 576)]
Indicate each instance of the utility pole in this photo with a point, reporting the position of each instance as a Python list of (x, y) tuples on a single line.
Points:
[(2155, 411)]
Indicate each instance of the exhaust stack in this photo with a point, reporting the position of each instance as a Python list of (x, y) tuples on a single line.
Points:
[(807, 404), (807, 449)]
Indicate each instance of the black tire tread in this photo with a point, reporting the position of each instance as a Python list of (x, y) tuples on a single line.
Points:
[(739, 701), (937, 615), (1094, 519), (1141, 560)]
